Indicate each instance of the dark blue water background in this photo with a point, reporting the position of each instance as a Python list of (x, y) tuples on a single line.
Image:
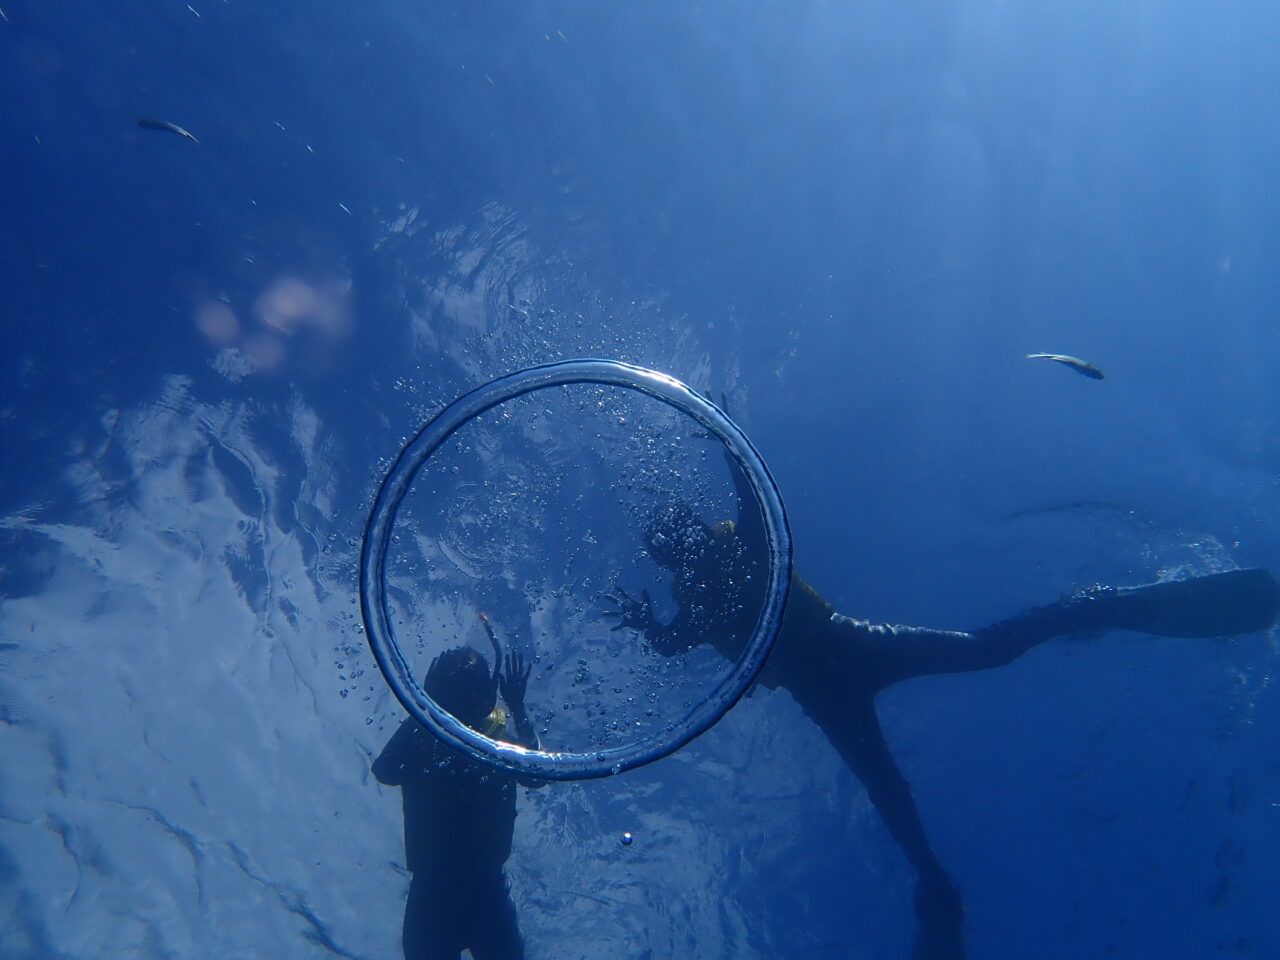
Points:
[(854, 220)]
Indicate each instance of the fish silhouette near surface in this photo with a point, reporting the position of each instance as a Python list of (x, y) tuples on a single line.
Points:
[(1082, 367), (166, 125)]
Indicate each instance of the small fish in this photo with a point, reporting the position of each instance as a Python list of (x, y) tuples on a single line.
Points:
[(166, 125), (1082, 367)]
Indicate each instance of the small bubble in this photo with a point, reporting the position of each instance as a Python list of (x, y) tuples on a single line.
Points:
[(627, 839)]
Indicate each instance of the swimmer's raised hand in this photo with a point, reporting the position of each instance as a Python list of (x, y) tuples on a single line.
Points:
[(631, 614), (514, 680)]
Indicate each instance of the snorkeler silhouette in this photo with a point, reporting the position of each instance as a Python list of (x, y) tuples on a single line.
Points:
[(459, 815), (835, 666)]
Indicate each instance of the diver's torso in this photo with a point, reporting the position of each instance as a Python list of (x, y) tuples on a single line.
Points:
[(459, 814), (722, 598)]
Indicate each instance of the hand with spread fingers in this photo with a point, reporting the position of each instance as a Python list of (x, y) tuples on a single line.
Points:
[(514, 680), (631, 614)]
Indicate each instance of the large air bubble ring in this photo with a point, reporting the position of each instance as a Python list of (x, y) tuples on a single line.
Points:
[(570, 765)]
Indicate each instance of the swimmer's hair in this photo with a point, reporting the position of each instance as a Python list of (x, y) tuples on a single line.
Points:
[(674, 531), (460, 682)]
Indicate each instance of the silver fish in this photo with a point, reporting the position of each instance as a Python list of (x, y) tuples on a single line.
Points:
[(1082, 367), (166, 125)]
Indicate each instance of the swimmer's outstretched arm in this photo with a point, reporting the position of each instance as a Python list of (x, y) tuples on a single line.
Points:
[(750, 526), (513, 681), (636, 613), (398, 755)]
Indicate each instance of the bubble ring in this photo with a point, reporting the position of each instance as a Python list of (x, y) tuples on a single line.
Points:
[(567, 765)]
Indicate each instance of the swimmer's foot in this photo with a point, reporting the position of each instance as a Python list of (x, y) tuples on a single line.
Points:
[(939, 921), (1217, 605)]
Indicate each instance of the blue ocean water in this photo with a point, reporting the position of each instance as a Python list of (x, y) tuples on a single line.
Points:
[(853, 223)]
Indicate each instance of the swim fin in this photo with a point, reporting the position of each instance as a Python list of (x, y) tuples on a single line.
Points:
[(1217, 605)]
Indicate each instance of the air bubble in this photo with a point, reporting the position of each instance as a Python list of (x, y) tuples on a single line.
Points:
[(680, 729)]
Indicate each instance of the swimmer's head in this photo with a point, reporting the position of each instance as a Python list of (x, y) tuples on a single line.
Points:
[(460, 682), (675, 535)]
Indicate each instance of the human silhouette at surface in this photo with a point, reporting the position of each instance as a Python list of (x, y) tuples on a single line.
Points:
[(459, 815), (834, 666)]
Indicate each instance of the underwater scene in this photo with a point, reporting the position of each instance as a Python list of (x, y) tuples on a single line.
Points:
[(581, 481)]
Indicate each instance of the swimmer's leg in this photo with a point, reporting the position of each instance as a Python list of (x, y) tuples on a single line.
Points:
[(1218, 605), (889, 652), (496, 933), (854, 730), (431, 929), (1221, 604)]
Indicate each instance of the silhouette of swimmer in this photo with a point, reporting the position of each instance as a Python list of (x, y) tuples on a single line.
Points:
[(459, 815), (834, 666)]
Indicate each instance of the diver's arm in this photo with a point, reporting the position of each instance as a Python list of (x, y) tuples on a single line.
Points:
[(513, 681), (398, 754), (750, 526), (636, 613), (679, 636), (511, 674), (526, 735)]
